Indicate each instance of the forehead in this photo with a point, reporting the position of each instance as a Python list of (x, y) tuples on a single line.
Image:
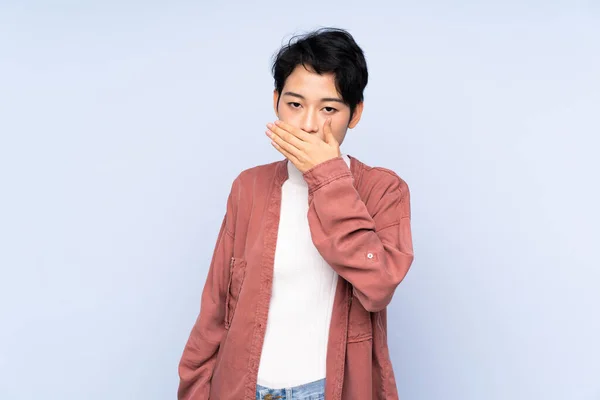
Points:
[(310, 84)]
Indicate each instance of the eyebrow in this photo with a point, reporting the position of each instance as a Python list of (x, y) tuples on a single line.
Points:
[(335, 99)]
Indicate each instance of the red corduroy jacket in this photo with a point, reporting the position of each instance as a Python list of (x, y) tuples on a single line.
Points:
[(359, 219)]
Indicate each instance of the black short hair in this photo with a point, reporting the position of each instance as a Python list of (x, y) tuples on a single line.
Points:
[(326, 50)]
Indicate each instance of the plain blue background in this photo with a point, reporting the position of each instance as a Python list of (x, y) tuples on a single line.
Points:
[(124, 123)]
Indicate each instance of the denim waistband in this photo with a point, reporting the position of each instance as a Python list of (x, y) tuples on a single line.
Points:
[(310, 391)]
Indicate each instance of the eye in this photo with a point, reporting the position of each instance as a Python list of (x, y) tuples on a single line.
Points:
[(294, 104), (329, 110)]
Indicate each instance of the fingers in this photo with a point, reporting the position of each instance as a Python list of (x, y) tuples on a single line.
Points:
[(285, 153), (277, 133), (295, 132), (282, 140)]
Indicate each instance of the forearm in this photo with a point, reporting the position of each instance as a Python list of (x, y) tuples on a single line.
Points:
[(373, 253)]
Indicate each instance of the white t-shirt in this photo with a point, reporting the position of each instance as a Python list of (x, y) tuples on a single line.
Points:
[(295, 347)]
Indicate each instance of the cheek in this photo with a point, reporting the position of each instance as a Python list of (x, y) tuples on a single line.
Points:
[(339, 131), (287, 116)]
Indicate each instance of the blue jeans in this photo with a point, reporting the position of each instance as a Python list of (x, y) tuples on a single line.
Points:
[(310, 391)]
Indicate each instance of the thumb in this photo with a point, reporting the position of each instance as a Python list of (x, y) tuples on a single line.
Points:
[(329, 138)]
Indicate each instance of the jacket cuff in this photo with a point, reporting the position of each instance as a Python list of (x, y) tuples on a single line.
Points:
[(325, 172)]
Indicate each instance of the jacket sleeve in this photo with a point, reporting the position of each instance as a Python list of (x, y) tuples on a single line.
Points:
[(199, 356), (370, 247)]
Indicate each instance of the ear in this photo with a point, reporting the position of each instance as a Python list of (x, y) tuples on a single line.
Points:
[(275, 101), (357, 114)]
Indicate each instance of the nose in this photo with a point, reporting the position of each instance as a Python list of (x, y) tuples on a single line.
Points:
[(309, 122)]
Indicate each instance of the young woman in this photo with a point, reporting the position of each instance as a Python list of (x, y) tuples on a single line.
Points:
[(309, 253)]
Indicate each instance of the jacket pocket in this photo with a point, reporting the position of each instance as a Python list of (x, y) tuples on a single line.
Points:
[(359, 322), (358, 373), (237, 272)]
